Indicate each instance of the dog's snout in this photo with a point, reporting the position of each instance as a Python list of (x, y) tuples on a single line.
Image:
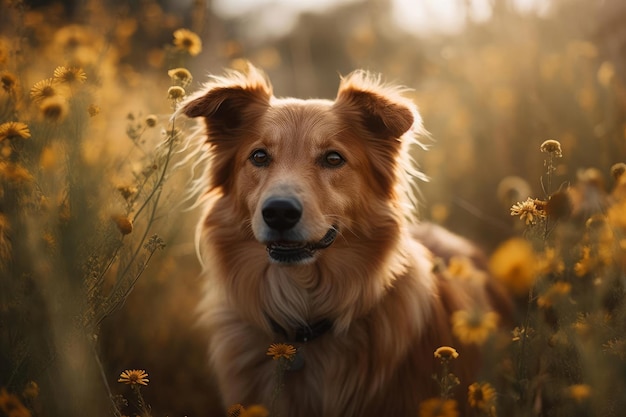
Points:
[(281, 213)]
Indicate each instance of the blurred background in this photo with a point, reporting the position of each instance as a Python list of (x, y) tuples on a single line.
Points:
[(493, 79)]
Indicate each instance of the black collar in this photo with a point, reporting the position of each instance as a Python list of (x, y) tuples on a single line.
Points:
[(304, 333)]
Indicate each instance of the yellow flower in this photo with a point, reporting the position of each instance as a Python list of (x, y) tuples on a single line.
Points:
[(235, 410), (514, 264), (123, 223), (255, 411), (187, 41), (11, 406), (44, 89), (14, 173), (474, 326), (550, 263), (556, 293), (585, 264), (180, 76), (528, 211), (11, 130), (54, 109), (446, 352), (281, 350), (438, 407), (151, 120), (93, 110), (176, 93), (31, 390), (481, 396), (134, 377), (579, 392), (552, 147), (70, 75)]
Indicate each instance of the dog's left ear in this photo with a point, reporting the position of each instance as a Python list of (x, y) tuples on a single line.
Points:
[(381, 110)]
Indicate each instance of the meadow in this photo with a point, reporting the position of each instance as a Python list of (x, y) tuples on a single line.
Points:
[(98, 271)]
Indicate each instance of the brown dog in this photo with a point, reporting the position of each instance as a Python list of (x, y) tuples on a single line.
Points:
[(308, 239)]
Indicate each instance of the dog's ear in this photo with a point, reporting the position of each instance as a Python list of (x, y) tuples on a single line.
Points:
[(230, 102), (230, 106), (381, 110)]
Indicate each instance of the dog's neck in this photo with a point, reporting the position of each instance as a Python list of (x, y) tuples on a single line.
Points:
[(302, 334)]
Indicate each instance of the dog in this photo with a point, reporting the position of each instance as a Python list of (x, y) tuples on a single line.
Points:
[(309, 239)]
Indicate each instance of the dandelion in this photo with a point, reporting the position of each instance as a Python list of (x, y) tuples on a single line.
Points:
[(188, 41), (44, 89), (446, 353), (481, 396), (123, 223), (134, 377), (54, 109), (175, 93), (235, 410), (10, 130), (70, 75), (512, 189), (438, 407), (151, 120), (553, 147), (553, 295), (579, 392), (514, 264), (528, 210), (180, 76), (474, 327), (11, 406), (281, 350), (8, 81)]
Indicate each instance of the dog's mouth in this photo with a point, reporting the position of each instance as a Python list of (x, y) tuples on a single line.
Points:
[(290, 252)]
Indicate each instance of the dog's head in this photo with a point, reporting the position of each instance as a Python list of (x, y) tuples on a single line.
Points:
[(300, 172)]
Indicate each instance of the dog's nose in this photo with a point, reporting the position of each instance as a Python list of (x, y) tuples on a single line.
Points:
[(281, 213)]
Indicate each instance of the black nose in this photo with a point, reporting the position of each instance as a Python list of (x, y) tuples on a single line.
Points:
[(281, 213)]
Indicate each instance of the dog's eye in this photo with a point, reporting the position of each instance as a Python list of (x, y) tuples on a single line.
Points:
[(333, 159), (260, 158)]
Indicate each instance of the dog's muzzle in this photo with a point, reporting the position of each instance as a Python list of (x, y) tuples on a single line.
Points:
[(281, 215)]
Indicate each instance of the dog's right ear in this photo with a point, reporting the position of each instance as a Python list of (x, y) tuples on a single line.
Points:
[(230, 102)]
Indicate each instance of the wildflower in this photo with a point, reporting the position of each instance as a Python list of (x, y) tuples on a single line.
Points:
[(134, 377), (512, 189), (461, 267), (514, 264), (473, 326), (154, 243), (446, 353), (11, 406), (10, 130), (550, 263), (528, 210), (175, 93), (8, 81), (616, 347), (31, 390), (44, 89), (281, 350), (579, 392), (617, 170), (481, 396), (123, 223), (187, 41), (255, 411), (557, 292), (585, 264), (180, 76), (14, 173), (235, 410), (151, 120), (438, 407), (93, 110), (54, 109), (127, 191), (552, 147), (520, 333), (70, 75)]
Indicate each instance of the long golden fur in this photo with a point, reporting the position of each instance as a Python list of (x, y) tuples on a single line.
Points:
[(308, 221)]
